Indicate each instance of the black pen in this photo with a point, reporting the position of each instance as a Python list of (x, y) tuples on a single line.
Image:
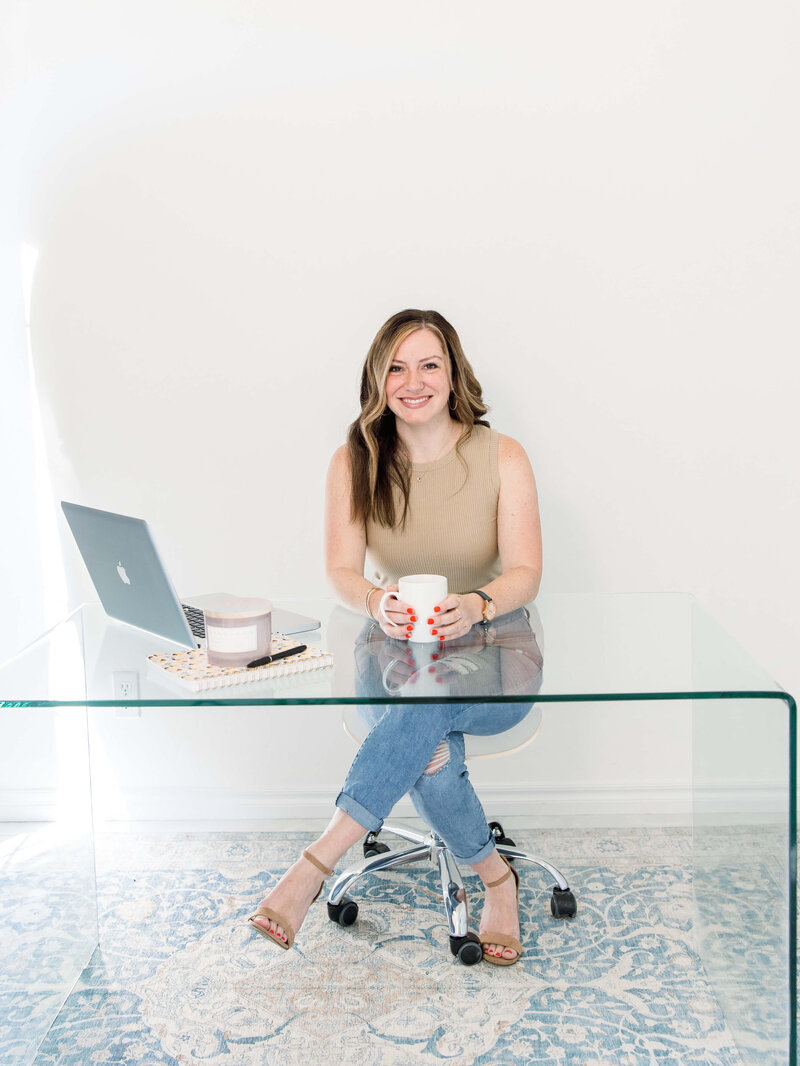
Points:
[(277, 655)]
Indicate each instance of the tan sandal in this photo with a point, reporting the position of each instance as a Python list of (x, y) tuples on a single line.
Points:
[(262, 911), (501, 938)]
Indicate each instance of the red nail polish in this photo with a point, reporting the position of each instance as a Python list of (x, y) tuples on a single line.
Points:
[(431, 669), (409, 627), (430, 621), (437, 608), (434, 632), (413, 618), (410, 610), (434, 657)]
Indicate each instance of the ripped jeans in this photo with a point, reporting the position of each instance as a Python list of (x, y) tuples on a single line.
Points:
[(397, 757)]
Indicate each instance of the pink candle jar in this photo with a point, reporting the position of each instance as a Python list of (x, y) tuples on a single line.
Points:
[(238, 629)]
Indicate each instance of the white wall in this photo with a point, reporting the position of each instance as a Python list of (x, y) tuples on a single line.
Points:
[(228, 199)]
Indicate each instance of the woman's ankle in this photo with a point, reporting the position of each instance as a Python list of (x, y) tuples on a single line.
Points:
[(342, 833), (491, 869)]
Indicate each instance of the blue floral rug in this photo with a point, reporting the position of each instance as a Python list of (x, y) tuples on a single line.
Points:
[(181, 978)]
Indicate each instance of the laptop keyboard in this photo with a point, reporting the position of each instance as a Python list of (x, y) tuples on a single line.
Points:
[(197, 624)]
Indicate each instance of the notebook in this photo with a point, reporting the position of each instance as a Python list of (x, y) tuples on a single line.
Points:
[(193, 670), (133, 584)]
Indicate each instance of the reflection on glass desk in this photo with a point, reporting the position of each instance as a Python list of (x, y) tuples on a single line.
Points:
[(565, 652)]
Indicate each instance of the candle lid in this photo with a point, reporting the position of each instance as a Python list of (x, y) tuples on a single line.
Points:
[(223, 605)]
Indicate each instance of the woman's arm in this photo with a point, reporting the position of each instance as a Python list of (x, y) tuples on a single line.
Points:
[(519, 541), (519, 531), (345, 551), (345, 540)]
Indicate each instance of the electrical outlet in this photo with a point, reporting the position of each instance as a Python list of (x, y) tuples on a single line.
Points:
[(126, 687)]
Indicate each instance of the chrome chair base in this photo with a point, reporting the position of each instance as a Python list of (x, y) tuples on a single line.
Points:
[(429, 846)]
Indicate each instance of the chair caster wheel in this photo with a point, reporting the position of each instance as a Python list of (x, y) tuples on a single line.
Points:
[(370, 850), (345, 912), (372, 846), (467, 949), (499, 835), (562, 903)]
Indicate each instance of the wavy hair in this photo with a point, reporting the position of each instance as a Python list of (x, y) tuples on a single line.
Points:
[(379, 465)]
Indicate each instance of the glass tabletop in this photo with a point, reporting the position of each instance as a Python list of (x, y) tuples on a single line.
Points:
[(562, 647), (633, 680)]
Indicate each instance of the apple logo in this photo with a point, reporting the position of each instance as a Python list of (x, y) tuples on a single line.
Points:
[(122, 574)]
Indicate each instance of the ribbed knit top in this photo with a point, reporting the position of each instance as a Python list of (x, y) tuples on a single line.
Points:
[(451, 525)]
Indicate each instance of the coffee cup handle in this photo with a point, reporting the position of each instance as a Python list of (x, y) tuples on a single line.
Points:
[(388, 685), (382, 605)]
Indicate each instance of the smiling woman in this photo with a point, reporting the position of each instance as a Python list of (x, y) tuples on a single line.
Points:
[(423, 485)]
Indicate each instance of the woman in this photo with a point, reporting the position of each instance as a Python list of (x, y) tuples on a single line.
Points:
[(423, 485)]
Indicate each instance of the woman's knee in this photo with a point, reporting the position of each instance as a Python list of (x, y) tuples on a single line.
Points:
[(439, 759)]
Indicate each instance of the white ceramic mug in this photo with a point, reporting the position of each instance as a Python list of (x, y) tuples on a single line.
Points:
[(423, 592)]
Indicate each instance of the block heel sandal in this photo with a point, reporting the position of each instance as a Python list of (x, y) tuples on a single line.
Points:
[(501, 938), (262, 911)]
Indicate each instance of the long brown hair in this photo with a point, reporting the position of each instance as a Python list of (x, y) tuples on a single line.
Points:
[(378, 462)]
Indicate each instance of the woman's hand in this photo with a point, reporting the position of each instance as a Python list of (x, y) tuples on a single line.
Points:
[(396, 618), (454, 618), (457, 615)]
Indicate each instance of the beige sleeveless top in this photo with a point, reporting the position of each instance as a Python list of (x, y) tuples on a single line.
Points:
[(451, 525)]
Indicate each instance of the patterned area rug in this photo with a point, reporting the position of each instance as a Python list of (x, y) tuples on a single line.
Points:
[(181, 978), (42, 873)]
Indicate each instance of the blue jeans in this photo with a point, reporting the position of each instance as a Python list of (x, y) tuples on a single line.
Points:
[(392, 761)]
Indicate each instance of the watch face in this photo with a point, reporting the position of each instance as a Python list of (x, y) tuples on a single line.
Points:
[(489, 610)]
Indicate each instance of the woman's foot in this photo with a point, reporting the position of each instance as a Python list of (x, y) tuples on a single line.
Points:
[(290, 899), (500, 908)]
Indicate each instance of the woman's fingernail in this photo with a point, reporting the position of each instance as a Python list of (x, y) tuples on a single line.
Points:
[(409, 627), (410, 610), (434, 632), (437, 608), (430, 621), (434, 656), (413, 618), (431, 669)]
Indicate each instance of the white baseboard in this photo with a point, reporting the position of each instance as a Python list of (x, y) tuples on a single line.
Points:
[(28, 804), (590, 804)]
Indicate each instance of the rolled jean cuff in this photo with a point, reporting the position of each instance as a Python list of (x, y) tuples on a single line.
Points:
[(479, 856), (361, 814)]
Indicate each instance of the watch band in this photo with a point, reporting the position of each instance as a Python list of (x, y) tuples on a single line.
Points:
[(487, 600)]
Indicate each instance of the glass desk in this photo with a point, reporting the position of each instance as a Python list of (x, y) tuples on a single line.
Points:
[(583, 660)]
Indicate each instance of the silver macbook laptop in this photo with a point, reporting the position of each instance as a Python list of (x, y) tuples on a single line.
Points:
[(133, 584)]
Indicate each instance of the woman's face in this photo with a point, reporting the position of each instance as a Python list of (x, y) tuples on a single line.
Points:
[(418, 381)]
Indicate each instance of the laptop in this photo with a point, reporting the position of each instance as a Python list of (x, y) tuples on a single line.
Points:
[(132, 581)]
